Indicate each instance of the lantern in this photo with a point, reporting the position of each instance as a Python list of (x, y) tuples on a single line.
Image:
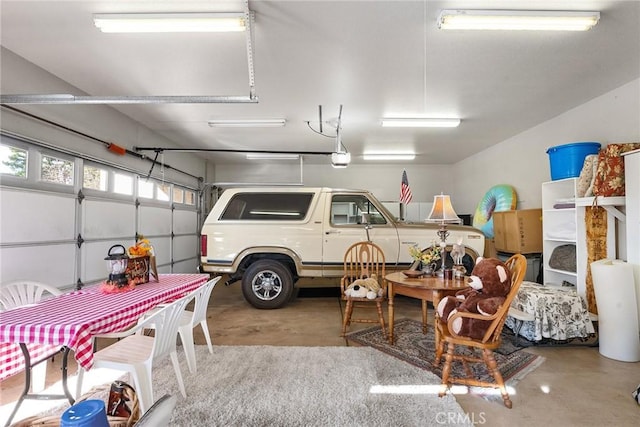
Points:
[(117, 260)]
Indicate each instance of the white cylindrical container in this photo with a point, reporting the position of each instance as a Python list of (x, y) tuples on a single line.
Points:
[(615, 291)]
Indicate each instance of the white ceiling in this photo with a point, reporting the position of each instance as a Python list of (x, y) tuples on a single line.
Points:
[(376, 58)]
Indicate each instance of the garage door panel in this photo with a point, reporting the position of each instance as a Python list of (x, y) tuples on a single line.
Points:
[(154, 220), (162, 249), (185, 247), (189, 266), (185, 222), (108, 219), (52, 264), (33, 216)]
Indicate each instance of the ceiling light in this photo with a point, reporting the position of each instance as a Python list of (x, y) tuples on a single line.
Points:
[(273, 156), (541, 20), (248, 123), (169, 22), (389, 156), (420, 122)]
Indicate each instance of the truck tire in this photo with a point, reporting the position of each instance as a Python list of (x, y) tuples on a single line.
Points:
[(267, 284)]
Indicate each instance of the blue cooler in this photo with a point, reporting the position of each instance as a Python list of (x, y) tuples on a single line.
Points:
[(567, 160), (88, 413)]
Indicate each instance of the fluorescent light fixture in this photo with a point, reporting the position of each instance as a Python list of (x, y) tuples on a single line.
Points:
[(169, 22), (538, 20), (420, 122), (248, 123), (388, 156), (272, 156)]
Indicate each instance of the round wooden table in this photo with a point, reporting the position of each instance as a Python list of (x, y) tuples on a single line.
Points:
[(425, 289)]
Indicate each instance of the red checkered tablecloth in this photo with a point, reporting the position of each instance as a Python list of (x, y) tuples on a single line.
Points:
[(73, 319)]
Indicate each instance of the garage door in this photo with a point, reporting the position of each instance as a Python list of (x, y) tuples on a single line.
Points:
[(60, 214)]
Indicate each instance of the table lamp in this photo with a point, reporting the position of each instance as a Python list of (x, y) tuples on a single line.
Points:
[(442, 213)]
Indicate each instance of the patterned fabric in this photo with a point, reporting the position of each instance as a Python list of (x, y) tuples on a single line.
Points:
[(595, 218), (609, 179), (584, 187), (559, 314), (73, 319)]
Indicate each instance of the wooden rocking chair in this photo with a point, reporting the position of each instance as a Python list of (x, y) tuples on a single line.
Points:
[(517, 264)]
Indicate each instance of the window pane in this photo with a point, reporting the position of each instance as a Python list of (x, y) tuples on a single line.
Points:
[(56, 170), (189, 198), (95, 178), (348, 209), (164, 190), (268, 206), (122, 184), (145, 189), (178, 195), (14, 161)]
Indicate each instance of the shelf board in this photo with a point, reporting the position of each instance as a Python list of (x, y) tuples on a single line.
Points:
[(555, 270), (601, 201)]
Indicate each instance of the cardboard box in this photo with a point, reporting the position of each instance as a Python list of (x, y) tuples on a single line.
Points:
[(518, 231)]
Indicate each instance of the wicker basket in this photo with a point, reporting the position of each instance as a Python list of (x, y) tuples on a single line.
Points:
[(54, 421)]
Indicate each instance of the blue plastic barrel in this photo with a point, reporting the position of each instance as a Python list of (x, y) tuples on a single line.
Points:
[(566, 160), (88, 413)]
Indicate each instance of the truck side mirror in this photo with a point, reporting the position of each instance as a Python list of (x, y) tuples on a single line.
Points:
[(366, 219)]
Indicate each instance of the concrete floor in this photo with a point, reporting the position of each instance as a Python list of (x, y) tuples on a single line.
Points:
[(575, 386)]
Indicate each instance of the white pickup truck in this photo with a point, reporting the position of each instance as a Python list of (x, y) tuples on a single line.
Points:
[(270, 237)]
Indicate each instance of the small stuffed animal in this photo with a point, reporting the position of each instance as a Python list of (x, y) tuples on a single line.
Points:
[(457, 252), (365, 288), (490, 282)]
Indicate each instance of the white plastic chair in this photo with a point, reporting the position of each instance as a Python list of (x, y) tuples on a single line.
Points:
[(159, 414), (25, 292), (137, 353), (191, 319)]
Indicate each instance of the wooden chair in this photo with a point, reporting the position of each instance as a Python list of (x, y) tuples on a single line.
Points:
[(362, 260), (517, 264)]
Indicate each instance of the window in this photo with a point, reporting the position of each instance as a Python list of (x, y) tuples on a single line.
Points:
[(164, 192), (145, 189), (122, 184), (189, 198), (95, 178), (178, 195), (13, 161), (268, 206), (53, 169), (348, 209)]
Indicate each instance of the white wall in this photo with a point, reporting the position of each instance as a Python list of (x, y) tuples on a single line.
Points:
[(522, 162)]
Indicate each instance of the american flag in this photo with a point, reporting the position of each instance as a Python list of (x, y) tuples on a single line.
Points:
[(405, 190)]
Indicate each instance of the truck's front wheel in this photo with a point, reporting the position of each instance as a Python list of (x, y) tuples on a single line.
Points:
[(267, 284)]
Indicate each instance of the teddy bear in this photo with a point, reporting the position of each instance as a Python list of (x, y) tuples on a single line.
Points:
[(365, 288), (489, 284)]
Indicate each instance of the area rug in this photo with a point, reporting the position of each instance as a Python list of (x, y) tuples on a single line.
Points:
[(418, 349), (303, 386)]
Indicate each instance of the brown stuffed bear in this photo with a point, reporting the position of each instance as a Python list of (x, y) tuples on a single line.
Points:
[(490, 282)]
